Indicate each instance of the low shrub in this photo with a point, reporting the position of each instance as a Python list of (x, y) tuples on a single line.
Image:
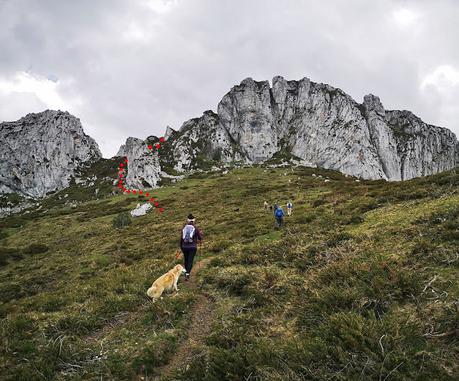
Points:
[(15, 254), (338, 238), (155, 353), (423, 247), (366, 207), (318, 202), (36, 248), (122, 220), (3, 234), (11, 291), (7, 253), (355, 220), (76, 324), (305, 219)]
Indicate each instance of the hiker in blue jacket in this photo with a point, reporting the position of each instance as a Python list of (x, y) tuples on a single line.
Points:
[(279, 216)]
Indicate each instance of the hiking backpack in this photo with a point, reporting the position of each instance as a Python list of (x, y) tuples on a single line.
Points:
[(279, 213), (188, 233)]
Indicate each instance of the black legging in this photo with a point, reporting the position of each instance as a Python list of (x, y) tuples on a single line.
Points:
[(188, 254)]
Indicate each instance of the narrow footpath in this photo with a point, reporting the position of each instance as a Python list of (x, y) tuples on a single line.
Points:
[(201, 316)]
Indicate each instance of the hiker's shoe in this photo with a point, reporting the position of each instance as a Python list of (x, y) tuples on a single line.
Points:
[(187, 276)]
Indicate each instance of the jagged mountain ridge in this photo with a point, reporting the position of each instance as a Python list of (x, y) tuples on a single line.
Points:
[(310, 123), (316, 123)]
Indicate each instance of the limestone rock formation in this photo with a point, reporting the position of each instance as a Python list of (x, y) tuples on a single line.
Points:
[(40, 153), (423, 149), (143, 168), (316, 123), (246, 114), (325, 127), (383, 137), (199, 141)]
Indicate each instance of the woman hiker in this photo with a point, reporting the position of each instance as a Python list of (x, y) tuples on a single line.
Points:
[(189, 243)]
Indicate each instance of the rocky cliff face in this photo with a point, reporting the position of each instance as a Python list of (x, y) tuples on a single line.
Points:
[(422, 149), (318, 124), (40, 153), (198, 144), (143, 168), (246, 114), (326, 128), (314, 123), (199, 141)]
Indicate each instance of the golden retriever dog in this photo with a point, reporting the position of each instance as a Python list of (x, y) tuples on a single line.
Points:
[(167, 282)]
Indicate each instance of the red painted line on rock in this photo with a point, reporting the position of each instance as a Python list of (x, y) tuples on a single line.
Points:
[(123, 166)]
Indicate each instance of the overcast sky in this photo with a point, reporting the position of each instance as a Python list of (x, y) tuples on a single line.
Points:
[(129, 68)]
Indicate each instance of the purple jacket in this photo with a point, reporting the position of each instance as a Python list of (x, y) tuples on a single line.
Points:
[(192, 245)]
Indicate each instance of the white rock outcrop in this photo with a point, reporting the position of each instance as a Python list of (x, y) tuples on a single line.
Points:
[(141, 210), (40, 153), (143, 169)]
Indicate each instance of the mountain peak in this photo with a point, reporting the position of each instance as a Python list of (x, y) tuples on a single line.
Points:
[(316, 123), (41, 152)]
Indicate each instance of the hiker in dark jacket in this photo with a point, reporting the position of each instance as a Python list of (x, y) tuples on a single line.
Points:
[(189, 243)]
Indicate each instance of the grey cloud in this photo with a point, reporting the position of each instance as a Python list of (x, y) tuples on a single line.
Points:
[(128, 70)]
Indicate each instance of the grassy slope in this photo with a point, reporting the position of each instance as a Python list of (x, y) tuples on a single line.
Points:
[(342, 291)]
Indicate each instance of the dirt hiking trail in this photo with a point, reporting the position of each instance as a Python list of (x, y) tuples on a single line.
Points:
[(200, 317)]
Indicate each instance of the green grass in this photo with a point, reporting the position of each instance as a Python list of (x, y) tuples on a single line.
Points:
[(10, 199), (361, 283)]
